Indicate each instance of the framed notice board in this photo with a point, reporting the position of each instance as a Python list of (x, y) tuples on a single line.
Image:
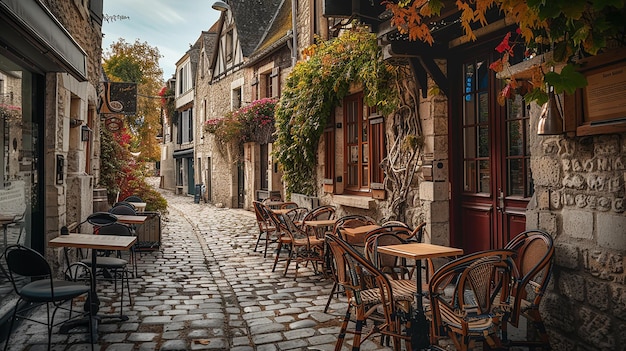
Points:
[(604, 98)]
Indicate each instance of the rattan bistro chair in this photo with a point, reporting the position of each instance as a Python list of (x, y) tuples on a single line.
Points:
[(33, 282), (267, 230), (534, 255), (369, 291), (301, 247), (462, 294)]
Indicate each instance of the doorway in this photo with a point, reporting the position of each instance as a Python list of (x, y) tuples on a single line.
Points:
[(491, 181)]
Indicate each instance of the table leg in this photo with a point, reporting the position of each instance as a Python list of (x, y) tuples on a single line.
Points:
[(419, 328)]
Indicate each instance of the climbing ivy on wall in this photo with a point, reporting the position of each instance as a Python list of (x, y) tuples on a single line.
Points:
[(316, 85)]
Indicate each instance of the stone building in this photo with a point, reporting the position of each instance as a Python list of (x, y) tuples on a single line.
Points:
[(50, 67), (485, 174)]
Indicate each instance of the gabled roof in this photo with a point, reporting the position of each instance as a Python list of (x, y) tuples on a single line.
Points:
[(280, 28), (253, 19)]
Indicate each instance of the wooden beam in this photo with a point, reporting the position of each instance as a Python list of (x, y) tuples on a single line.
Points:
[(420, 75)]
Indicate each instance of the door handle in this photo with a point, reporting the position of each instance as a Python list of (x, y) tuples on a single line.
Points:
[(500, 200)]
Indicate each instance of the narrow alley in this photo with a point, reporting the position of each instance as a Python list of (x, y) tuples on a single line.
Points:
[(205, 289)]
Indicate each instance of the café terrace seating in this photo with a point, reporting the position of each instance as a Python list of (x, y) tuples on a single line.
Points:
[(300, 246), (369, 290), (462, 295), (533, 260)]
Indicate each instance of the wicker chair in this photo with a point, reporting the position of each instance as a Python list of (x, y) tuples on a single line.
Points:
[(368, 291), (462, 294), (267, 231), (302, 248), (535, 251)]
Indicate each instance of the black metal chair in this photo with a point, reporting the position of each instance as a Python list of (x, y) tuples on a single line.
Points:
[(33, 282), (122, 209), (133, 198)]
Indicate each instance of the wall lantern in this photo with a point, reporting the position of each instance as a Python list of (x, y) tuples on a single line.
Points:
[(85, 131), (550, 120)]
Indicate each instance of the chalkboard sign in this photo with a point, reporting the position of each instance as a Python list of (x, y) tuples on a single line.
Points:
[(119, 98)]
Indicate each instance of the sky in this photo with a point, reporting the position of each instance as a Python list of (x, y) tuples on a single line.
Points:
[(170, 25)]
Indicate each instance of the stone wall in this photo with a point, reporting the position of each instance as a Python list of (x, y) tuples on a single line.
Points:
[(580, 194)]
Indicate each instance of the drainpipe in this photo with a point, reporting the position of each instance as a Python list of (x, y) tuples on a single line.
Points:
[(294, 21)]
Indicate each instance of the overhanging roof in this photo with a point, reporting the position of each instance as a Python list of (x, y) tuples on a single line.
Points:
[(32, 33)]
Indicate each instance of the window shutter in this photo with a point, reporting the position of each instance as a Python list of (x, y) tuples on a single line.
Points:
[(377, 154), (329, 156), (275, 82)]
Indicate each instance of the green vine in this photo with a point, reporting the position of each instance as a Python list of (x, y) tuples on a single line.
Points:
[(318, 84)]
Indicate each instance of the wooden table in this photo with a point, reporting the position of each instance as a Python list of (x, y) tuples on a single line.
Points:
[(280, 211), (419, 251), (131, 219), (93, 242), (358, 234)]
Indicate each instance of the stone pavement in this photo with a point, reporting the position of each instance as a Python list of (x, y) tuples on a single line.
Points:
[(205, 289)]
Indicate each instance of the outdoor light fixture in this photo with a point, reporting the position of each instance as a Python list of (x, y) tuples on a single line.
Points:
[(84, 133), (220, 6), (550, 121)]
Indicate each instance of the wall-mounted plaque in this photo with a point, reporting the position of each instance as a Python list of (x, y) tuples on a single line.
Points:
[(603, 99)]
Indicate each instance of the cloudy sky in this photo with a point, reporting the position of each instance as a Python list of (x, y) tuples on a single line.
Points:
[(169, 25)]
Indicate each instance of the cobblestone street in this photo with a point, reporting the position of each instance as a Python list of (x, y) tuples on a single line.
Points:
[(205, 289)]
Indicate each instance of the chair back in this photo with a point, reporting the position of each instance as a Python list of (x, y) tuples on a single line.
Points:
[(26, 262), (133, 198), (289, 205), (351, 221), (321, 213), (116, 229), (123, 210), (535, 250), (392, 265), (297, 214), (261, 215), (101, 219), (465, 288), (124, 203)]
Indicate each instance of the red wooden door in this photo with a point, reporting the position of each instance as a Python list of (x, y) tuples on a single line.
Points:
[(489, 159)]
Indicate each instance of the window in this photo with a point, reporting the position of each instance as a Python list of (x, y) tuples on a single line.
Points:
[(356, 153), (181, 80), (377, 140), (185, 127), (236, 98), (268, 85)]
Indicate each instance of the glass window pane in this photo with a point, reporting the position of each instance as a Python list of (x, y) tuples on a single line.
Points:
[(515, 172), (469, 140), (483, 108), (515, 138), (353, 176), (530, 187), (469, 110), (483, 141), (515, 107), (485, 177), (365, 155), (483, 75), (365, 177), (354, 154), (469, 181), (469, 77)]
